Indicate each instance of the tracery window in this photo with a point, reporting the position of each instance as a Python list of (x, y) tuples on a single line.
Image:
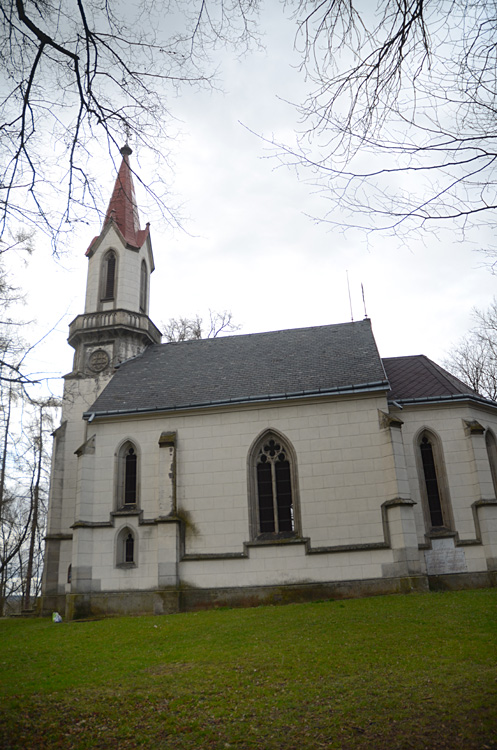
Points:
[(433, 480), (273, 489), (109, 268)]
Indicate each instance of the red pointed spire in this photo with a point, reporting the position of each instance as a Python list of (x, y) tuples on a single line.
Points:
[(122, 206)]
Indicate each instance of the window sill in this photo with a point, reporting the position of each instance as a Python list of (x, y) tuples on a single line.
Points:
[(126, 566), (440, 532), (127, 510), (264, 540), (276, 535)]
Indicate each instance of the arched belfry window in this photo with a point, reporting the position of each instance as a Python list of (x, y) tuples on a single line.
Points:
[(109, 276), (126, 548), (491, 445), (273, 488), (143, 287), (128, 479), (433, 481)]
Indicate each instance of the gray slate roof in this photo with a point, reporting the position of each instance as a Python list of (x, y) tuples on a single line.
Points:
[(256, 367)]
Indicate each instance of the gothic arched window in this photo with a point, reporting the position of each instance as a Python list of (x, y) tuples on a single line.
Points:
[(127, 485), (109, 276), (273, 488), (433, 481), (143, 287), (126, 548)]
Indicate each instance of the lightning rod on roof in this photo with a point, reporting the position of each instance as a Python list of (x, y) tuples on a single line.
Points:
[(364, 300), (350, 298)]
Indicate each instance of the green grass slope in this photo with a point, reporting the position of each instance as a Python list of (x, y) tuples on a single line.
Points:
[(417, 671)]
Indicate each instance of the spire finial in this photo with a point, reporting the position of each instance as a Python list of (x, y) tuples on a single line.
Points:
[(126, 150)]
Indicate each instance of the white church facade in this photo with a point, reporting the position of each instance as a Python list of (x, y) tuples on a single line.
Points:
[(262, 468)]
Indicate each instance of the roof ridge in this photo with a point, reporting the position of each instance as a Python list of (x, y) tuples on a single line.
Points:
[(270, 333)]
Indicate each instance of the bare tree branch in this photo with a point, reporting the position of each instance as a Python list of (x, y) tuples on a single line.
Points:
[(189, 329), (77, 73), (399, 131), (474, 358)]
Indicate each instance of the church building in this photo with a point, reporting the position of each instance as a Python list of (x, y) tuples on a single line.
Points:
[(263, 468)]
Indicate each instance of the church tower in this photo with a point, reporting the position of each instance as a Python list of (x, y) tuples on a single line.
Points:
[(113, 328)]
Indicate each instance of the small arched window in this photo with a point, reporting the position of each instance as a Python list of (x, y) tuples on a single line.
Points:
[(109, 269), (126, 547), (491, 445), (143, 287), (273, 488), (129, 548), (127, 485), (433, 480)]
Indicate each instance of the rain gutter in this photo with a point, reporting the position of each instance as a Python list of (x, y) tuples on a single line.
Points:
[(376, 386), (448, 399)]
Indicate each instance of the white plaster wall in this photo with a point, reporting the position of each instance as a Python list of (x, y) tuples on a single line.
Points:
[(447, 421), (128, 274), (285, 564), (345, 473), (79, 395)]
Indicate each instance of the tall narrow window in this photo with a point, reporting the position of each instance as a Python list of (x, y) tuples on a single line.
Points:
[(431, 481), (127, 477), (109, 276), (130, 477), (143, 287), (491, 444), (434, 485), (273, 489)]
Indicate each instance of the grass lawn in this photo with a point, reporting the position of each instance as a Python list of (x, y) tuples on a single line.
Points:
[(417, 671)]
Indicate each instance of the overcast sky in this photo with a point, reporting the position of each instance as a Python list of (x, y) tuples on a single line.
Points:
[(250, 246)]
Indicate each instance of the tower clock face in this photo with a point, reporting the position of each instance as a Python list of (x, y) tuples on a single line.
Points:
[(98, 360)]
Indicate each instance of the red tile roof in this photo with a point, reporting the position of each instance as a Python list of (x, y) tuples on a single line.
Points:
[(122, 206)]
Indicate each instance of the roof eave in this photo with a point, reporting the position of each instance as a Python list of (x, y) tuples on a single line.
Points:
[(447, 399), (375, 387)]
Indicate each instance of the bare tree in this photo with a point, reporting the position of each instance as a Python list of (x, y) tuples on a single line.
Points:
[(80, 72), (38, 460), (24, 459), (188, 329), (400, 127), (474, 358)]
